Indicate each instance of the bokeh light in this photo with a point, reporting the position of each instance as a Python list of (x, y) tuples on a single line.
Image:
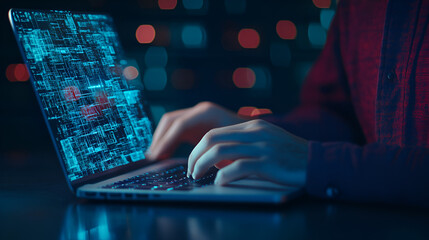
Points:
[(193, 36), (262, 76), (235, 6), (260, 111), (156, 57), (246, 111), (322, 3), (21, 73), (131, 73), (167, 4), (183, 79), (248, 38), (244, 77), (10, 73), (326, 16), (155, 79), (316, 35), (193, 4), (145, 33), (17, 73), (286, 29), (249, 111), (280, 54)]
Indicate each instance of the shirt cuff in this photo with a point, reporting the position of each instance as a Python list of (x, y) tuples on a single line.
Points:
[(323, 172)]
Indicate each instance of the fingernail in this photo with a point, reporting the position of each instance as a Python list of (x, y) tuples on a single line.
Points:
[(187, 174)]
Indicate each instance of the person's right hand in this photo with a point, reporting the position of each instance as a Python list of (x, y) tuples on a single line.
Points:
[(188, 125)]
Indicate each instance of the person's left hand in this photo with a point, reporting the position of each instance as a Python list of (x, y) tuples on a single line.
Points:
[(251, 148)]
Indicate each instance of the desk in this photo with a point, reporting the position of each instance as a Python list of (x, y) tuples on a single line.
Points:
[(36, 204)]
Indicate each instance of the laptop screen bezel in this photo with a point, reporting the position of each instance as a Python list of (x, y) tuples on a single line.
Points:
[(96, 177)]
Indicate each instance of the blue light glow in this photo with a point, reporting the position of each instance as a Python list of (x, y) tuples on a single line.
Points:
[(193, 36), (155, 79), (263, 77), (193, 4), (156, 57), (316, 35), (326, 16), (95, 115)]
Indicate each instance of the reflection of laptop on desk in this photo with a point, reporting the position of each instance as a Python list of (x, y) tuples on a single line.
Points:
[(97, 119)]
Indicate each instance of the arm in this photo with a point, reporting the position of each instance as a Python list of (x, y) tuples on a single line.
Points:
[(374, 172), (326, 112)]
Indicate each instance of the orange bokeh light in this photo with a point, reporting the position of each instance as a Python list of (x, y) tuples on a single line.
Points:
[(131, 73), (10, 73), (286, 29), (167, 4), (21, 73), (246, 111), (145, 33), (253, 111), (260, 111), (244, 77), (17, 73), (322, 3), (248, 38)]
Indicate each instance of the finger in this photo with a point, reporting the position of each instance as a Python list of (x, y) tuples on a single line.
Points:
[(222, 151), (163, 126), (173, 136), (237, 170), (247, 132)]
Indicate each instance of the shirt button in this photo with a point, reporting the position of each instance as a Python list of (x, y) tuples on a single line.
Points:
[(332, 192), (391, 76)]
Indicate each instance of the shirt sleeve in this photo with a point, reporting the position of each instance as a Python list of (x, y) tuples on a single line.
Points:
[(341, 166), (326, 112), (371, 173)]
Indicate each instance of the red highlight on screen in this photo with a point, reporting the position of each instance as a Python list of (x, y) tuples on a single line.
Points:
[(248, 38), (72, 93), (145, 34), (17, 73), (286, 29), (167, 4), (244, 77)]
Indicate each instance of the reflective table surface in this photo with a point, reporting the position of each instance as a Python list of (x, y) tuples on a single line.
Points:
[(36, 204)]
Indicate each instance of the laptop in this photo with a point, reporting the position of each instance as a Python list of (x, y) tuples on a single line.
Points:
[(99, 122)]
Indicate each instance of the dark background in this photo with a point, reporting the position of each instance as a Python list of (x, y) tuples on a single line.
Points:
[(22, 128)]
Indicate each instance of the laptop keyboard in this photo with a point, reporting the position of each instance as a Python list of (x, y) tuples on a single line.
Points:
[(166, 179)]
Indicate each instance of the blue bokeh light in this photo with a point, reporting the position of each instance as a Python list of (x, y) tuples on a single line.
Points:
[(193, 36), (316, 35), (155, 79), (193, 4), (326, 16), (156, 57)]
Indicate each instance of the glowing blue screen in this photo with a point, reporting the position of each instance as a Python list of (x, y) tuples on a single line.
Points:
[(95, 115)]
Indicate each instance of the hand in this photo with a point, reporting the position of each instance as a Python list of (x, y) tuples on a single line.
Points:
[(253, 148), (188, 125)]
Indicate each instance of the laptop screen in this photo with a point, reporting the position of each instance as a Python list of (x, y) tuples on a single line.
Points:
[(95, 115)]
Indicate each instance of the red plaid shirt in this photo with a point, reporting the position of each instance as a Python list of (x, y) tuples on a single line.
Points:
[(365, 105)]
